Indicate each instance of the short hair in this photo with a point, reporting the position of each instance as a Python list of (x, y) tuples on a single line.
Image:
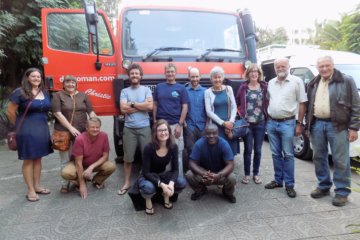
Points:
[(325, 57), (281, 59), (250, 68), (192, 68), (154, 140), (135, 66), (170, 65), (211, 126), (93, 120), (217, 70), (69, 78)]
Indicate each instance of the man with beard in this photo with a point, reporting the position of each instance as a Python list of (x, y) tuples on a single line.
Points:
[(211, 163), (135, 102), (287, 98), (196, 117)]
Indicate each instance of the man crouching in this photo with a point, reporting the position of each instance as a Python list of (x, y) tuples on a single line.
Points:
[(91, 152), (211, 163)]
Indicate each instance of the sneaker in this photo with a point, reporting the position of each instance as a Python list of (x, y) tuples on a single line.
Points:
[(319, 193), (198, 194), (230, 198), (272, 185), (339, 201), (290, 192)]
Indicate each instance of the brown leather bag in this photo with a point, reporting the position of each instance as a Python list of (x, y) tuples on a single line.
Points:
[(61, 140), (11, 141), (11, 137)]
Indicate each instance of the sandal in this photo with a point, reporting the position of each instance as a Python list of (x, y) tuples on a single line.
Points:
[(245, 179), (33, 198), (149, 211), (44, 191), (257, 180), (123, 191), (98, 186), (168, 205), (65, 188)]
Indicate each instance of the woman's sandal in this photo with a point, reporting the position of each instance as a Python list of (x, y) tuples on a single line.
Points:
[(149, 211), (245, 179), (257, 180), (168, 205)]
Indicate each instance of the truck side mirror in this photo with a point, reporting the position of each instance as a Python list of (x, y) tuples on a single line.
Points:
[(91, 17)]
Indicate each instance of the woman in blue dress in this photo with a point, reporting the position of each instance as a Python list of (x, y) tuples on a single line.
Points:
[(33, 137)]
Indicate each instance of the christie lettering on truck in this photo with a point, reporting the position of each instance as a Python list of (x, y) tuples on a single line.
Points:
[(91, 78)]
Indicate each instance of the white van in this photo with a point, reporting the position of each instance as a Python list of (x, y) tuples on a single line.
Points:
[(303, 64)]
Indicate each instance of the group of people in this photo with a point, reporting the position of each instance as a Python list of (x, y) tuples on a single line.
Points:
[(200, 121)]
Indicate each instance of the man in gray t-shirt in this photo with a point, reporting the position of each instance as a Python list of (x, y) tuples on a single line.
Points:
[(135, 103)]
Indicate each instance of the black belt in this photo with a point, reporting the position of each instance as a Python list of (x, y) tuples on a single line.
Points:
[(282, 119), (323, 119)]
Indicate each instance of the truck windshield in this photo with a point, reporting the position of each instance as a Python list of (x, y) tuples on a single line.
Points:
[(146, 30), (352, 70)]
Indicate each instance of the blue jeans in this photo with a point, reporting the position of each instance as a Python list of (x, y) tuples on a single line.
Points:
[(148, 189), (253, 140), (323, 133), (281, 136)]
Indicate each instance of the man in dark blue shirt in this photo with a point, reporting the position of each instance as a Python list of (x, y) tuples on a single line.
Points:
[(211, 163), (171, 103)]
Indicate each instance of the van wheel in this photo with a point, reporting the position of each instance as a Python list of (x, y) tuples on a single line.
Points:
[(302, 147)]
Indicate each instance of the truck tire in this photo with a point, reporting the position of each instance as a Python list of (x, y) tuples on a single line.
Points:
[(302, 147), (117, 134)]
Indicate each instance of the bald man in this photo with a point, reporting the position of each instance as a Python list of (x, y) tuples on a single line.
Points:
[(211, 163), (287, 98), (196, 117)]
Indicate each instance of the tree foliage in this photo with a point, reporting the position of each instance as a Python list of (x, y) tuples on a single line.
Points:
[(340, 35), (268, 36), (20, 36)]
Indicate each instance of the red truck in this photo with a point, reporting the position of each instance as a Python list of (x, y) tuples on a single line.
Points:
[(81, 42)]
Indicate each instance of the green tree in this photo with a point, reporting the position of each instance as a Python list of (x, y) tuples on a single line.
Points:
[(20, 35), (271, 36), (340, 35)]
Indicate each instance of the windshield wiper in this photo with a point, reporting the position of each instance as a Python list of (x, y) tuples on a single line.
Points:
[(164, 49), (210, 50)]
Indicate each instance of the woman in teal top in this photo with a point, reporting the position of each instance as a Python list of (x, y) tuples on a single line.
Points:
[(221, 106)]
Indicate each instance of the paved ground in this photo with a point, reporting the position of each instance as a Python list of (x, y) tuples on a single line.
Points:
[(258, 213)]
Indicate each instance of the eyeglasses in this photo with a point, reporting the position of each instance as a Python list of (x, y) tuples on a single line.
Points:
[(254, 71), (162, 130)]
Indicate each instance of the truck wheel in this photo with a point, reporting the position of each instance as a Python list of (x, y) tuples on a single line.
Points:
[(118, 142), (302, 147)]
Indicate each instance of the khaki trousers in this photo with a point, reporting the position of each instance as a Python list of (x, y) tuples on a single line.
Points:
[(102, 172)]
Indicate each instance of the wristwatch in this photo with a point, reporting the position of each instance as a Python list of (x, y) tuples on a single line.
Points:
[(298, 123), (132, 104)]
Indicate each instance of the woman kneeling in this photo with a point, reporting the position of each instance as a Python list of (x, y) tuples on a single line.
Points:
[(160, 167)]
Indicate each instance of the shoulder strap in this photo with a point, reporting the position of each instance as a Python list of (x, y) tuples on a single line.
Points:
[(73, 112), (24, 114)]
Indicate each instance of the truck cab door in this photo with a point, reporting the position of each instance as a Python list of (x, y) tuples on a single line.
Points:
[(69, 49)]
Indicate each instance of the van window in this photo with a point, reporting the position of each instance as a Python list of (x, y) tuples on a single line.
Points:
[(304, 73), (67, 31), (352, 70)]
